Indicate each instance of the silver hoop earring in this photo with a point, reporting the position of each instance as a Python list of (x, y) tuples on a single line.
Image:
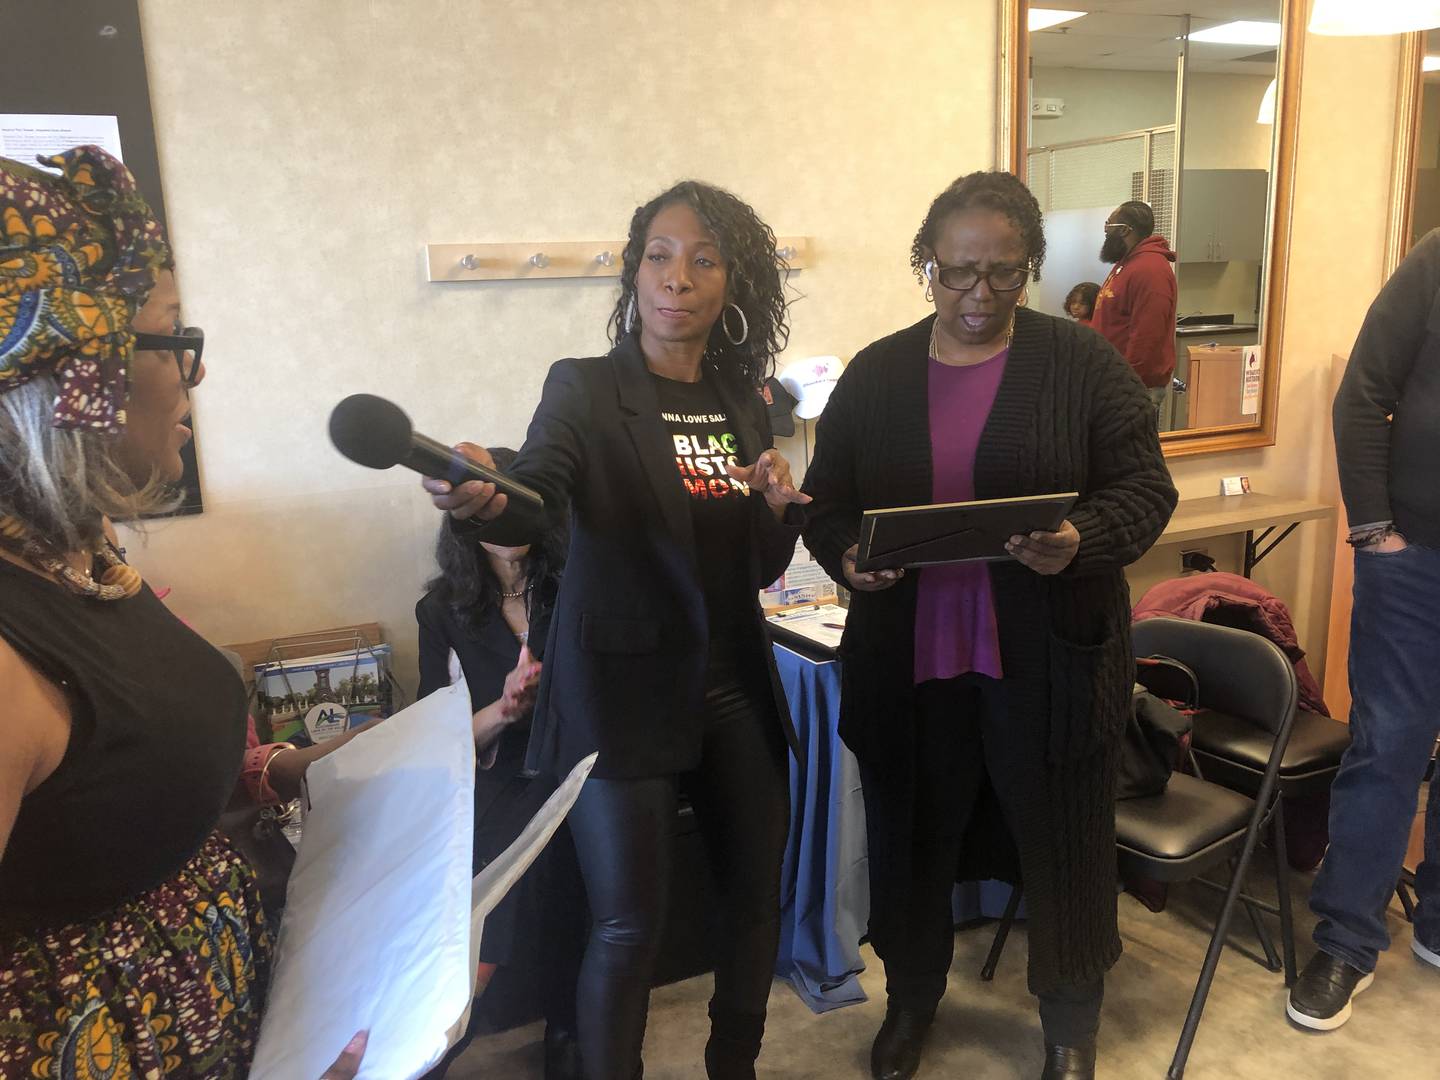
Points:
[(929, 293), (744, 324), (1025, 297), (630, 315)]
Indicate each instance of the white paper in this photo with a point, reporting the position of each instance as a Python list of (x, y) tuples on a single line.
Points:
[(501, 874), (824, 625), (377, 926), (1250, 370), (24, 135)]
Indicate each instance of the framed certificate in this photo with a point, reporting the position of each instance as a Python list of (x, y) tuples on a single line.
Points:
[(912, 536)]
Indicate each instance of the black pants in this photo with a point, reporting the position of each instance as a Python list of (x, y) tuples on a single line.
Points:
[(624, 831), (954, 718)]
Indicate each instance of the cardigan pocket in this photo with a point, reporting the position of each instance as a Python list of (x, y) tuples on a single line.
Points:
[(1090, 692), (612, 634)]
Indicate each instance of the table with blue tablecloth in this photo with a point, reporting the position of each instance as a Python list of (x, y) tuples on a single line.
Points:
[(825, 891)]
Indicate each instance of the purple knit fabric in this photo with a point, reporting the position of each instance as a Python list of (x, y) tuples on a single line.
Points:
[(955, 611)]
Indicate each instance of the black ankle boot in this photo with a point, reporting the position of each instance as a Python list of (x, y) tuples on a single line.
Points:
[(1069, 1062), (562, 1054), (734, 1043), (895, 1054)]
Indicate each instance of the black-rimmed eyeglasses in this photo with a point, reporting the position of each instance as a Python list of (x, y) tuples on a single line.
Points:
[(965, 278), (187, 343)]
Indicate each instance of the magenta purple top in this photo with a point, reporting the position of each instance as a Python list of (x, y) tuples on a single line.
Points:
[(955, 611)]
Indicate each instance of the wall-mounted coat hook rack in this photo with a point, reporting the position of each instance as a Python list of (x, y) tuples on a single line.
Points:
[(570, 259)]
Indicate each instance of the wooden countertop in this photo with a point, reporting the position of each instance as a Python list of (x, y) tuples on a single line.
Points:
[(1220, 515)]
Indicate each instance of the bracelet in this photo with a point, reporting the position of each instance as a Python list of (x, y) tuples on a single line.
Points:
[(263, 785), (1370, 536)]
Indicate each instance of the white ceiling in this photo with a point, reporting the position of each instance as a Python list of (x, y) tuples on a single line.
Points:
[(1142, 35)]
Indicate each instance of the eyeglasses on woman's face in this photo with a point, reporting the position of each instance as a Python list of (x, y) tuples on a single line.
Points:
[(1001, 279), (187, 344)]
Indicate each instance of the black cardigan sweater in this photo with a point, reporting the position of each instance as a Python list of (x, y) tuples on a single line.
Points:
[(1070, 415)]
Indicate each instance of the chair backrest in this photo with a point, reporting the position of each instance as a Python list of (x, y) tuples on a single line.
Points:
[(1239, 673)]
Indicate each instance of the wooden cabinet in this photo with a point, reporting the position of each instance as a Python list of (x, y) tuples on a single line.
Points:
[(1222, 215), (1215, 386)]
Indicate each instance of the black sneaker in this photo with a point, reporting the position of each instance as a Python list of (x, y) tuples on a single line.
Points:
[(1320, 999), (1424, 952)]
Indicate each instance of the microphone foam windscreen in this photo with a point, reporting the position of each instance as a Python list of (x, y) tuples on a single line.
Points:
[(370, 431)]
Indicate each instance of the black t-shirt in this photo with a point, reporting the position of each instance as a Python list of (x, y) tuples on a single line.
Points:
[(705, 442)]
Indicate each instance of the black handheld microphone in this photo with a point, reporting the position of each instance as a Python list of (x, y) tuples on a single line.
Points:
[(376, 433)]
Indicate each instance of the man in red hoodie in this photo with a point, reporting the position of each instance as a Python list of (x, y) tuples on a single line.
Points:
[(1135, 310)]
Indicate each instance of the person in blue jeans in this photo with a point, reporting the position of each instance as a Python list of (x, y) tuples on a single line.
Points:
[(1387, 439)]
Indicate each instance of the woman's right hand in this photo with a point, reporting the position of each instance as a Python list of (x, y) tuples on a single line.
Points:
[(472, 499), (878, 581), (517, 701)]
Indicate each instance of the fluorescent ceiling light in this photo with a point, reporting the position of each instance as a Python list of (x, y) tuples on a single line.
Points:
[(1430, 63), (1243, 32), (1267, 105), (1044, 18), (1357, 18)]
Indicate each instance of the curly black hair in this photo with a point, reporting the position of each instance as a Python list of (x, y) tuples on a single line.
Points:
[(1087, 292), (756, 277), (468, 585), (1001, 191)]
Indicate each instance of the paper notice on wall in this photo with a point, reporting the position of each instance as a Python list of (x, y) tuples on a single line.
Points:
[(23, 136), (1250, 372)]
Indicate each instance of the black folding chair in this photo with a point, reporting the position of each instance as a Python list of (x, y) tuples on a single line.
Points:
[(1194, 825)]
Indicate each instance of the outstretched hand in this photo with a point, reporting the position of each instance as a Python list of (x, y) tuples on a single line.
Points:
[(770, 475), (472, 499)]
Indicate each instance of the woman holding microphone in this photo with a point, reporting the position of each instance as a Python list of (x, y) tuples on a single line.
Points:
[(659, 452)]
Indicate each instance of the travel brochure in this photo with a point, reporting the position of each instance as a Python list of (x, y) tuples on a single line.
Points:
[(313, 699)]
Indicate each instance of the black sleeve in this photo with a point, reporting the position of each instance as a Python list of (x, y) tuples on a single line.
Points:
[(1380, 363), (832, 520), (1129, 496), (777, 537), (550, 461), (434, 648)]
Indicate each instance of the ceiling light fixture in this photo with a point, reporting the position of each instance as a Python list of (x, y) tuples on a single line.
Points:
[(1045, 18), (1353, 18), (1243, 32)]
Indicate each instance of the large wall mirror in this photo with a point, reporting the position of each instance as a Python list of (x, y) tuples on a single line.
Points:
[(1189, 106), (1415, 201)]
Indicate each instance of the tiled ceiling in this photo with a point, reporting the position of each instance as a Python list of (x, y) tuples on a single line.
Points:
[(1143, 35)]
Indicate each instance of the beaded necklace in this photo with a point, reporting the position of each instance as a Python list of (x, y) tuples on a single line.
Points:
[(119, 581)]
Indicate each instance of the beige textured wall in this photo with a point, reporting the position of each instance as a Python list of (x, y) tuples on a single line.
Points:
[(310, 149)]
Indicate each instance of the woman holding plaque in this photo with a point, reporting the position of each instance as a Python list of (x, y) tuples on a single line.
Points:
[(1002, 684)]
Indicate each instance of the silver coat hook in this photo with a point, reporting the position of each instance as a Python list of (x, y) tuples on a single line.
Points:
[(605, 258), (786, 253), (469, 262), (540, 260)]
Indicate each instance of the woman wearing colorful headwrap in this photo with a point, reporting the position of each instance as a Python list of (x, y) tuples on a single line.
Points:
[(132, 940)]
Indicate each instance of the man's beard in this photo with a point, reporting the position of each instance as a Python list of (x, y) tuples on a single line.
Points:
[(1113, 250)]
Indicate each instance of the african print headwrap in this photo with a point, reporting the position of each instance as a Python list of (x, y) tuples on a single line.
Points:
[(79, 254)]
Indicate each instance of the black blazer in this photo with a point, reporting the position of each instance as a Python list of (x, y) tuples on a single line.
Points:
[(628, 646)]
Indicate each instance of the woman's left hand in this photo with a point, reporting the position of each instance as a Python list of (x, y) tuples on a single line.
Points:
[(770, 475), (1046, 552)]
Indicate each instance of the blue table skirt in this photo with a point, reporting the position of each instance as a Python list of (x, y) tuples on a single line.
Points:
[(825, 890)]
